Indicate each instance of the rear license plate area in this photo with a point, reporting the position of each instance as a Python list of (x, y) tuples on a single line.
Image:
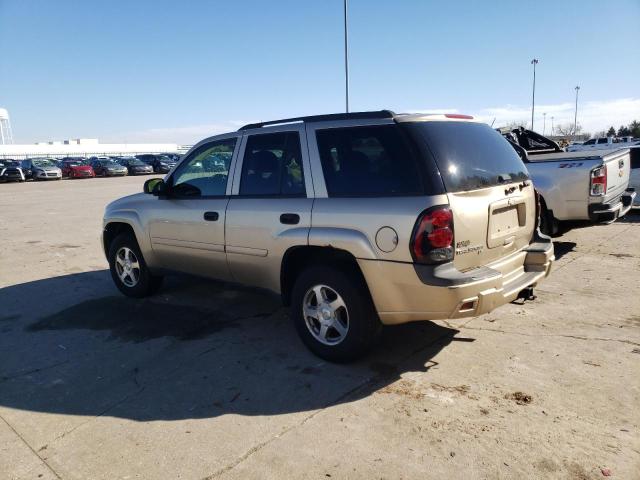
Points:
[(505, 221)]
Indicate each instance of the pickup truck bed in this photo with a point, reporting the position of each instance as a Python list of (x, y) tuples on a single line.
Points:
[(564, 178)]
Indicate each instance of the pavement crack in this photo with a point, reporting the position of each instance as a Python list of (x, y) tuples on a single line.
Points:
[(49, 467), (561, 335), (33, 370)]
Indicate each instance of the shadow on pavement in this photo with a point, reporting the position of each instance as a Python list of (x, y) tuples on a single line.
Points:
[(560, 249), (198, 349)]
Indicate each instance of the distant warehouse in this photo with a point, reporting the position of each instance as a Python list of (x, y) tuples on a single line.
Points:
[(84, 147)]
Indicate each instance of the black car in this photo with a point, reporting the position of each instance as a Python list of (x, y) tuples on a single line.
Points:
[(161, 163), (135, 166), (11, 171)]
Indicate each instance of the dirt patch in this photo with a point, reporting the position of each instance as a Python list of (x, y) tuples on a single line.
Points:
[(404, 388), (460, 389), (634, 320), (520, 398)]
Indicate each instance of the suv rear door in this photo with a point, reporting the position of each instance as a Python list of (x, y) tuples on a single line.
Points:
[(488, 187), (270, 207)]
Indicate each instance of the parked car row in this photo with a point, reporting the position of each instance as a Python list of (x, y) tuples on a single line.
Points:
[(82, 167)]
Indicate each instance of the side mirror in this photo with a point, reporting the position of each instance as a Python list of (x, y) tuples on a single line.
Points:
[(155, 186)]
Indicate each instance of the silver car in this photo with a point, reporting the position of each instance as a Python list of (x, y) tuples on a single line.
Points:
[(356, 220)]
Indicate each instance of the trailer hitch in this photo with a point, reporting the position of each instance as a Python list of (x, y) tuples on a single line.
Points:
[(526, 294)]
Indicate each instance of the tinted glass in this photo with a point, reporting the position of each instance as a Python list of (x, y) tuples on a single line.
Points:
[(469, 155), (368, 161), (206, 171), (602, 140), (272, 165), (590, 142)]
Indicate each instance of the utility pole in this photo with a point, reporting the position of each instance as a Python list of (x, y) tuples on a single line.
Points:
[(575, 116), (534, 62), (551, 126), (346, 59), (544, 123)]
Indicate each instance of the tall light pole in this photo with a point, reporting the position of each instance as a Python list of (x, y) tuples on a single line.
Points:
[(551, 126), (544, 123), (346, 60), (534, 62), (575, 116)]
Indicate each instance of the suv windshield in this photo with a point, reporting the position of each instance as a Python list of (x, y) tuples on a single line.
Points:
[(469, 155)]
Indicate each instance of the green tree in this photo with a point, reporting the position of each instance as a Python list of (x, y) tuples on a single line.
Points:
[(624, 131), (635, 128), (611, 132)]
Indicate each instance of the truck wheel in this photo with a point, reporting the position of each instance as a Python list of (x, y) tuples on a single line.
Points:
[(129, 270), (548, 223), (333, 313)]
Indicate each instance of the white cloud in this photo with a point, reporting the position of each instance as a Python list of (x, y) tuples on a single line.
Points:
[(181, 135), (592, 115)]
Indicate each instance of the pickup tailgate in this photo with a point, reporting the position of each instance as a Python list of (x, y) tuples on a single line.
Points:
[(618, 165)]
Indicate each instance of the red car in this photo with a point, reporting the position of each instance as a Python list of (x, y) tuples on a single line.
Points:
[(76, 169)]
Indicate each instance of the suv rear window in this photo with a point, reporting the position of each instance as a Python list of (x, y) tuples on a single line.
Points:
[(469, 155), (368, 161)]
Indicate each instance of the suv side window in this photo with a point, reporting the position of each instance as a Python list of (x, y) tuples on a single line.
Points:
[(602, 140), (368, 161), (206, 171), (272, 165), (590, 142)]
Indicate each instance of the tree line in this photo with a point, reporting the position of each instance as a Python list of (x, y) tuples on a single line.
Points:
[(631, 130)]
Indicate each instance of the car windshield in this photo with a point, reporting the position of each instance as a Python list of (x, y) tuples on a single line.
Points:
[(107, 163), (43, 163), (165, 158), (74, 163), (134, 162)]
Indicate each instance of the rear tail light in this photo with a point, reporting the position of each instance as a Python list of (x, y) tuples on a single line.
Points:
[(432, 239), (599, 181)]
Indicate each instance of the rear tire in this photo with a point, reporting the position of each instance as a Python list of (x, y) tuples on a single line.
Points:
[(129, 271), (350, 329), (549, 225)]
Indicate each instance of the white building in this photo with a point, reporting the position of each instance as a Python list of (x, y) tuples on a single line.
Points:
[(83, 147)]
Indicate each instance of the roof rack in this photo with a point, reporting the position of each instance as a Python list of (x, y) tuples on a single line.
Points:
[(322, 118)]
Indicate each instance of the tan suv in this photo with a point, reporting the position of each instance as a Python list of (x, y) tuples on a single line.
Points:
[(357, 220)]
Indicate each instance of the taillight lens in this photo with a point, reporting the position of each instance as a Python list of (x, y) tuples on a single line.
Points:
[(432, 240), (599, 181)]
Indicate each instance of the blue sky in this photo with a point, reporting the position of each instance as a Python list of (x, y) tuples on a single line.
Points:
[(179, 71)]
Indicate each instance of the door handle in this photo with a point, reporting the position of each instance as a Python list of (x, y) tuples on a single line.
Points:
[(290, 218), (211, 216)]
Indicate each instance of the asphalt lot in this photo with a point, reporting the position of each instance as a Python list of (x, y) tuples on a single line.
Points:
[(208, 380)]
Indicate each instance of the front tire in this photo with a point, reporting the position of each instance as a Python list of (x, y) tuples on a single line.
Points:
[(129, 270), (333, 313)]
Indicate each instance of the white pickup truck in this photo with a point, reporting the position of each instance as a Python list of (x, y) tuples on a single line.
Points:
[(589, 185), (603, 143)]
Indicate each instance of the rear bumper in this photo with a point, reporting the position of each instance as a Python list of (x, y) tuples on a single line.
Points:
[(404, 292), (610, 212)]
